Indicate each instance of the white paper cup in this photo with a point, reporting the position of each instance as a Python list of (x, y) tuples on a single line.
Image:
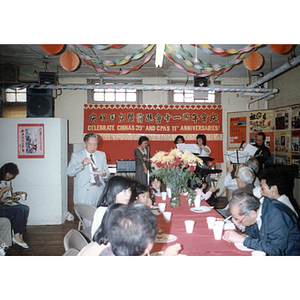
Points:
[(197, 201), (162, 207), (258, 253), (164, 195), (189, 226), (218, 229), (23, 197), (167, 216), (169, 192), (210, 222)]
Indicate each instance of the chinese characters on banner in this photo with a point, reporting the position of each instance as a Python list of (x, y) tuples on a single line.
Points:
[(120, 126), (31, 141)]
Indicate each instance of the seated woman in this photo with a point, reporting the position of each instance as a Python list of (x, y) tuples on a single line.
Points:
[(275, 185), (117, 190), (8, 172), (142, 195), (201, 142), (17, 223), (202, 191), (126, 230), (179, 140)]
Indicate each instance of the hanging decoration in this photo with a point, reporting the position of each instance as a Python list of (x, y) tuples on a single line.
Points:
[(69, 61), (281, 49), (103, 47), (254, 61), (118, 62), (121, 72), (143, 88), (52, 48), (219, 51), (205, 66)]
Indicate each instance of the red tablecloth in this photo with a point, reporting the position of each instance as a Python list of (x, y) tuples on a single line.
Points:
[(199, 243)]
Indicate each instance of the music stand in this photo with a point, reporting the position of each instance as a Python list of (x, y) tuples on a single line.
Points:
[(193, 148), (237, 157)]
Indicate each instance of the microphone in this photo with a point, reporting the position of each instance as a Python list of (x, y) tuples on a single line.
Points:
[(242, 144)]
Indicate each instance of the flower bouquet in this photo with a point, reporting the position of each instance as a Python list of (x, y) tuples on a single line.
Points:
[(176, 168)]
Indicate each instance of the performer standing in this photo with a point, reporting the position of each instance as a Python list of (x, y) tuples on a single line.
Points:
[(85, 165), (142, 161)]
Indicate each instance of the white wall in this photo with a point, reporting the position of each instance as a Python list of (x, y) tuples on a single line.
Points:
[(44, 179)]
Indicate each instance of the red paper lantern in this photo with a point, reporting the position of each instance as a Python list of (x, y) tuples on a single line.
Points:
[(281, 49), (254, 61), (52, 48), (69, 61)]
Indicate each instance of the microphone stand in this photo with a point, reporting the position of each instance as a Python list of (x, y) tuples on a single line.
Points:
[(148, 173)]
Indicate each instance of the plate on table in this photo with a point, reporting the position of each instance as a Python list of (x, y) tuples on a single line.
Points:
[(165, 238), (240, 246), (201, 209), (99, 172), (229, 225), (12, 203), (154, 207)]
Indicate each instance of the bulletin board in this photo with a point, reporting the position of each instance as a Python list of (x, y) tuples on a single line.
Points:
[(281, 127)]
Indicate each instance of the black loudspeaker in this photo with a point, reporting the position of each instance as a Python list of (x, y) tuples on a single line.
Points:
[(47, 78), (39, 103), (200, 81)]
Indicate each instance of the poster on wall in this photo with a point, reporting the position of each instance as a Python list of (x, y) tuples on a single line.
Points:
[(295, 117), (238, 130), (282, 118), (31, 142), (283, 147), (296, 148), (119, 127), (261, 121)]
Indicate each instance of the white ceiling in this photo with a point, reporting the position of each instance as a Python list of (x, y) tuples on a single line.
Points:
[(32, 59)]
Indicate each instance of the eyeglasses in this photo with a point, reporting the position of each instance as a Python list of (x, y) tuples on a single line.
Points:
[(240, 221)]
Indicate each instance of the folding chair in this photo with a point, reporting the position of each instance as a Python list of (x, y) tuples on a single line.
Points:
[(74, 239), (71, 252), (84, 212)]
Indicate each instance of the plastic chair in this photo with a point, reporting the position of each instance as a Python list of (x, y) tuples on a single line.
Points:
[(71, 252), (84, 212), (74, 239)]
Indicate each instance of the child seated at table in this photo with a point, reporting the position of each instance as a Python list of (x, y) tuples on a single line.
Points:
[(156, 185), (142, 195), (202, 191)]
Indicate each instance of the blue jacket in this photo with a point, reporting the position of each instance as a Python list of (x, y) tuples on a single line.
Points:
[(279, 233)]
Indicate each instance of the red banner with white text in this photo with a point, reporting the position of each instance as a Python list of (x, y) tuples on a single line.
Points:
[(119, 127)]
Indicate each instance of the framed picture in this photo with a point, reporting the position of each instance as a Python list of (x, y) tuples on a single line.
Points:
[(31, 141)]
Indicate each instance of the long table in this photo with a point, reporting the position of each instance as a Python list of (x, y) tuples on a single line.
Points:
[(199, 243)]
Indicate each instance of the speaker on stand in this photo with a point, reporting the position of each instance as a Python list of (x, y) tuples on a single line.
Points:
[(39, 103)]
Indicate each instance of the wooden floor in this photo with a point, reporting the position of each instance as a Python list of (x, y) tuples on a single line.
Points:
[(43, 240), (47, 240)]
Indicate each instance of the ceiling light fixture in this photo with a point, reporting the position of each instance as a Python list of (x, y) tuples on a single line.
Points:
[(159, 55)]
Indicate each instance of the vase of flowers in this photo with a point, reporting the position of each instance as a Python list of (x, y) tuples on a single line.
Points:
[(175, 168)]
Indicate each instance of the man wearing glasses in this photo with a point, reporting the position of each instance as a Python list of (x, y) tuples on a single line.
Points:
[(269, 226)]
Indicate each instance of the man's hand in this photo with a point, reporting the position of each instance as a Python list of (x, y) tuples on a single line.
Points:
[(232, 236), (86, 161)]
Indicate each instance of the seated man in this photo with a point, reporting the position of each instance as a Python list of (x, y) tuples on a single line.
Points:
[(132, 232), (269, 226), (244, 179), (231, 183)]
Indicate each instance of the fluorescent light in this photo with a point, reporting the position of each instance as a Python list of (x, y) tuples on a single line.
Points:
[(159, 55)]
